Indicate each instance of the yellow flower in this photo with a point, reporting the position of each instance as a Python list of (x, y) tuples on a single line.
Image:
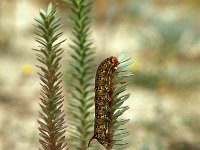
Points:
[(27, 69)]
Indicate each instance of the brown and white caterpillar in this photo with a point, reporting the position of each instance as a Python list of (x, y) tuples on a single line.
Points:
[(103, 92)]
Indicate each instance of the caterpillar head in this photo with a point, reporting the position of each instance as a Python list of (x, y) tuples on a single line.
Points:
[(115, 61)]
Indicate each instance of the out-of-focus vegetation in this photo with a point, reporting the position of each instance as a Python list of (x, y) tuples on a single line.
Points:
[(79, 77), (162, 37)]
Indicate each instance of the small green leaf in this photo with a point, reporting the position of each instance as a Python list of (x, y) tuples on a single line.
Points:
[(121, 135), (121, 57), (120, 123), (123, 66), (120, 112), (120, 89), (43, 14), (49, 9), (120, 100)]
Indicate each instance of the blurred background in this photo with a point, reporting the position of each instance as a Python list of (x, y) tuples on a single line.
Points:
[(161, 36)]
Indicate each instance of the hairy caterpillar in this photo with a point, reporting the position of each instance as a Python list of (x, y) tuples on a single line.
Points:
[(103, 98)]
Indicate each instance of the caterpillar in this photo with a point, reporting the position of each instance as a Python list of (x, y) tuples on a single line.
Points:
[(103, 99)]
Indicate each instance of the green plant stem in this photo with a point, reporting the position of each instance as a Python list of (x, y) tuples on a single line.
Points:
[(110, 137), (52, 125), (80, 74)]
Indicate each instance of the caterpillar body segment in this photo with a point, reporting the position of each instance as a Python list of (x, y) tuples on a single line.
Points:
[(103, 91)]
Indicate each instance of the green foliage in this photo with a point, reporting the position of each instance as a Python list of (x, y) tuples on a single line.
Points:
[(116, 131), (51, 120), (168, 40), (81, 75), (170, 35)]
